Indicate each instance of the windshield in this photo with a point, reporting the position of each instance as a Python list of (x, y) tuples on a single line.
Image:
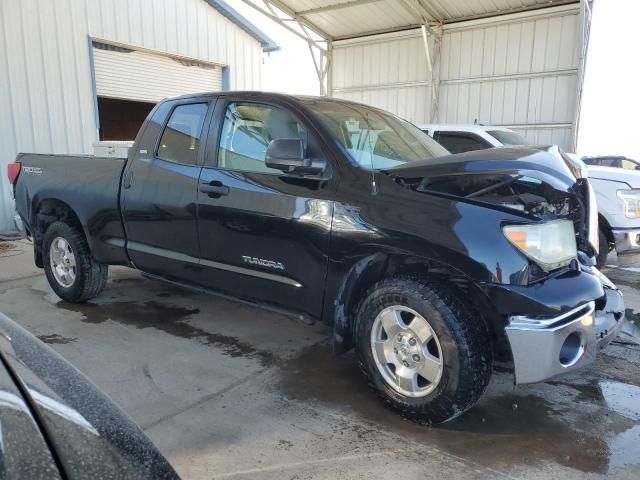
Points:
[(509, 138), (375, 139)]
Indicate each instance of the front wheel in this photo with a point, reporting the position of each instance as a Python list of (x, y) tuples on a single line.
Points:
[(71, 270), (422, 349)]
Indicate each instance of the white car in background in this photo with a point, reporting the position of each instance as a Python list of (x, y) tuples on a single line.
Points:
[(617, 189), (459, 138)]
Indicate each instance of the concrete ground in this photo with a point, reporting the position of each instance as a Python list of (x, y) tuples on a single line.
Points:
[(229, 391)]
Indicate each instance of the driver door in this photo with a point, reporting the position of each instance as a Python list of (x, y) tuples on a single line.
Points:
[(263, 235)]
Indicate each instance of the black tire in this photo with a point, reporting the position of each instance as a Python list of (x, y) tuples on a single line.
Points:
[(464, 340), (603, 253), (91, 276)]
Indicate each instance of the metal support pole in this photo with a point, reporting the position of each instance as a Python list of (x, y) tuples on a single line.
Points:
[(586, 8), (433, 63)]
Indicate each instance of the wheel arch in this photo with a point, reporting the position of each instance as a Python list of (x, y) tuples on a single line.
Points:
[(45, 213), (378, 266)]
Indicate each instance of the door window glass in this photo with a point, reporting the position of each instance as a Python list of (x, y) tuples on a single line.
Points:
[(607, 162), (509, 138), (460, 142), (629, 164), (181, 137), (248, 128)]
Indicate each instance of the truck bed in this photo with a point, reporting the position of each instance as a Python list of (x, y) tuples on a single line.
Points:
[(89, 184)]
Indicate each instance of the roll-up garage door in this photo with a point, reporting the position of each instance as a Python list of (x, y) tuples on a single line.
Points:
[(148, 77)]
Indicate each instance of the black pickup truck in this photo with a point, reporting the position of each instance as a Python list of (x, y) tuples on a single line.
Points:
[(429, 264)]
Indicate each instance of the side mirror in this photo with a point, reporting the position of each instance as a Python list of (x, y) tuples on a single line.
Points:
[(287, 154)]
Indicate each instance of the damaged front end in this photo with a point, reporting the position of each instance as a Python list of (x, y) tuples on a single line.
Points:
[(561, 310), (539, 184)]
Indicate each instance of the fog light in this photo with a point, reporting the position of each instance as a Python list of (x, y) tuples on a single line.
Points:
[(572, 349)]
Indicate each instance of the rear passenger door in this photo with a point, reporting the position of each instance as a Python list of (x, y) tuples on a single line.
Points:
[(264, 235), (460, 142), (159, 190)]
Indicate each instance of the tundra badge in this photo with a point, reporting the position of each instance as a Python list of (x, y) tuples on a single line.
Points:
[(262, 262)]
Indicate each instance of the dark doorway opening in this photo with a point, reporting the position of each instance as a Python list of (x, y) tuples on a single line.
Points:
[(121, 119)]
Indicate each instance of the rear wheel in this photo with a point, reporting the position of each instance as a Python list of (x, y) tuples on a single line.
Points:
[(422, 349), (74, 275)]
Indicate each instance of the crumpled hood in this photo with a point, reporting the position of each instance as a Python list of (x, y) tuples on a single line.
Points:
[(536, 183), (545, 163)]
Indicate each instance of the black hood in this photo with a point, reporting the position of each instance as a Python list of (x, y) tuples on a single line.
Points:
[(547, 164)]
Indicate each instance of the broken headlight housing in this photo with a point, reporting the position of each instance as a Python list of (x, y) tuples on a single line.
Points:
[(551, 244)]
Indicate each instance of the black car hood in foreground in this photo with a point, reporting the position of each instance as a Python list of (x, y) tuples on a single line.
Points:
[(56, 424)]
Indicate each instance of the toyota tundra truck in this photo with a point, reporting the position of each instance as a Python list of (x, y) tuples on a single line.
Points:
[(430, 265)]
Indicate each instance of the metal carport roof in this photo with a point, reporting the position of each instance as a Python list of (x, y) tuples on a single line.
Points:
[(322, 22), (341, 19)]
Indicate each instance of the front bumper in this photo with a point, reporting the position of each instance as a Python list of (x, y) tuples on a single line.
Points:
[(544, 348), (627, 240)]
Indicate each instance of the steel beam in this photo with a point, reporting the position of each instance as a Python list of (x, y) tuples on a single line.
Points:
[(336, 6)]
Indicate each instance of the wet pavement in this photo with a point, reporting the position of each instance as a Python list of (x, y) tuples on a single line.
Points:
[(230, 391)]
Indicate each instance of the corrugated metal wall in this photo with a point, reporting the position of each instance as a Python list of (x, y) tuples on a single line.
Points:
[(519, 71), (46, 93)]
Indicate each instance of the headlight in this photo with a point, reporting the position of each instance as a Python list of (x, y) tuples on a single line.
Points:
[(631, 201), (551, 245)]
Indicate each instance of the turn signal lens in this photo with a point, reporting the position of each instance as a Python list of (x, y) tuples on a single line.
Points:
[(551, 245)]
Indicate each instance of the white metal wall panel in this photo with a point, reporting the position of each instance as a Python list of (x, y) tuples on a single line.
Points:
[(519, 71), (387, 71), (46, 90), (148, 77)]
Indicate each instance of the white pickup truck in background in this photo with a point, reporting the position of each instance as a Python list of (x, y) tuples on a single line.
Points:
[(617, 189)]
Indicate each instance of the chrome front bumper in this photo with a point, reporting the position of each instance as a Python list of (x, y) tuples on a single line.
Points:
[(545, 348), (627, 241)]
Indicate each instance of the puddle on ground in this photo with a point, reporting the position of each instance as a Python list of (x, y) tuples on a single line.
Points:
[(170, 319), (56, 339), (505, 429)]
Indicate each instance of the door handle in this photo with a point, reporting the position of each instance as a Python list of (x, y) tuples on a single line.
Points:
[(215, 189), (128, 180)]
